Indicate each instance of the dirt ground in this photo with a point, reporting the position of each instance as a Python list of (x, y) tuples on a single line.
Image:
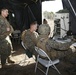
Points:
[(21, 67)]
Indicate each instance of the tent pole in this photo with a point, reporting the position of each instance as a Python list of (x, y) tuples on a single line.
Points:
[(72, 7)]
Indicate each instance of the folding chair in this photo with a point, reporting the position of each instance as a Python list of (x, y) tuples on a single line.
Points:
[(44, 62), (23, 45), (16, 36), (25, 60)]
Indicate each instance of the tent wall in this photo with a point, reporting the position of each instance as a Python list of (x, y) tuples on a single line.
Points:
[(66, 5), (25, 12)]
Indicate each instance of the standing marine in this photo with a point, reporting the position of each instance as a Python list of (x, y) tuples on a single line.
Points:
[(5, 30)]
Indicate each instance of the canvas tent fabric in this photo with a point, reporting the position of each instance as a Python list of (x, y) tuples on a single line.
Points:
[(25, 11), (67, 5)]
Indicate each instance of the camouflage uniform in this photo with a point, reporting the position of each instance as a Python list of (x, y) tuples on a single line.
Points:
[(44, 29), (30, 40), (53, 48), (5, 47)]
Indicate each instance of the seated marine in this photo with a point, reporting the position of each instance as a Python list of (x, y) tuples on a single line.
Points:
[(53, 48), (29, 38)]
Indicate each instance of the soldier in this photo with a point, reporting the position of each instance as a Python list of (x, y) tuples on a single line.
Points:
[(29, 37), (53, 48), (5, 30), (45, 21)]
